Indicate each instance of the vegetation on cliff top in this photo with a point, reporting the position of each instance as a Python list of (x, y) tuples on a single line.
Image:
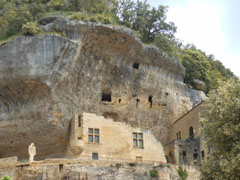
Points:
[(221, 121), (20, 17)]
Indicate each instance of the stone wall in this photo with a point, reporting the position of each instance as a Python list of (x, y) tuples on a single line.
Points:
[(115, 141), (7, 167), (63, 170)]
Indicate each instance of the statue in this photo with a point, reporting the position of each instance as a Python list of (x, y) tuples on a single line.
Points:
[(32, 152)]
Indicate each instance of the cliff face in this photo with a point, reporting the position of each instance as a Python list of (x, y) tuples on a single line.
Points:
[(45, 80)]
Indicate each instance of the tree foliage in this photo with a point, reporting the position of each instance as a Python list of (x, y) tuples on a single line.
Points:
[(148, 22), (196, 64), (182, 173), (221, 121), (30, 29), (5, 178)]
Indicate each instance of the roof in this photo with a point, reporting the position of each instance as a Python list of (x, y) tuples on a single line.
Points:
[(189, 111)]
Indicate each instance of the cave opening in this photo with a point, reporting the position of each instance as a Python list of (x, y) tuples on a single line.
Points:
[(106, 97), (150, 101), (136, 65), (137, 102)]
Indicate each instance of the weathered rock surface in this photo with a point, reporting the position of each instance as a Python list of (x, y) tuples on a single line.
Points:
[(199, 85), (45, 80)]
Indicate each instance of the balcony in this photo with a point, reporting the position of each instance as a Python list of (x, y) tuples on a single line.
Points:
[(76, 146)]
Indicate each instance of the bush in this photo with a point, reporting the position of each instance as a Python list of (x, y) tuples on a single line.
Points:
[(80, 17), (182, 173), (118, 165), (104, 19), (153, 173), (30, 29), (5, 178), (93, 19), (132, 164)]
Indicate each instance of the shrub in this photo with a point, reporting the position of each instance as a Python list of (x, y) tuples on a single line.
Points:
[(5, 178), (118, 165), (153, 173), (104, 19), (93, 19), (132, 164), (182, 173), (30, 29), (80, 17)]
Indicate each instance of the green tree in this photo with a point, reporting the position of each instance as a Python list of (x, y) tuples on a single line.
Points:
[(30, 29), (196, 64), (171, 46), (148, 22), (182, 173), (221, 121), (5, 178)]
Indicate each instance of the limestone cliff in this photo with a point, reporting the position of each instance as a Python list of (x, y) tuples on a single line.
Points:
[(45, 80)]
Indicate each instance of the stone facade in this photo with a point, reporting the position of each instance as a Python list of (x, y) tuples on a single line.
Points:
[(63, 169), (185, 145), (115, 141), (7, 167)]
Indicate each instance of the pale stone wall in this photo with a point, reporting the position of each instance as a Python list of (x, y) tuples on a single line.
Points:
[(191, 119), (62, 169), (116, 141), (176, 147), (7, 167)]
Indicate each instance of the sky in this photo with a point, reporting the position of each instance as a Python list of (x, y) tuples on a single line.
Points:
[(211, 25)]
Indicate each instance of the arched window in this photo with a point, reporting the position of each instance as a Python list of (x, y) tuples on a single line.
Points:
[(191, 132)]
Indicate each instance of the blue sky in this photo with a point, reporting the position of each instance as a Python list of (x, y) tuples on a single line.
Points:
[(212, 25)]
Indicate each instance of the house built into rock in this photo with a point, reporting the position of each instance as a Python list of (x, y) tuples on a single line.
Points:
[(185, 145), (95, 137)]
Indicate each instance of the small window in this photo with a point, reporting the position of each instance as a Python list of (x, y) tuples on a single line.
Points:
[(203, 156), (179, 135), (95, 156), (106, 97), (137, 101), (79, 121), (191, 133), (60, 167), (139, 158), (93, 135), (184, 155), (195, 157), (136, 65), (150, 101), (138, 140)]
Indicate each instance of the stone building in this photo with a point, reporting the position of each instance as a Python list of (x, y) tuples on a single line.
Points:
[(95, 137), (185, 145)]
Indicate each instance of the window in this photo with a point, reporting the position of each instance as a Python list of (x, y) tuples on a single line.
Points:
[(179, 135), (150, 101), (137, 102), (138, 140), (136, 65), (191, 132), (95, 156), (184, 155), (93, 135), (60, 167), (202, 152), (79, 121), (106, 97), (139, 158)]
